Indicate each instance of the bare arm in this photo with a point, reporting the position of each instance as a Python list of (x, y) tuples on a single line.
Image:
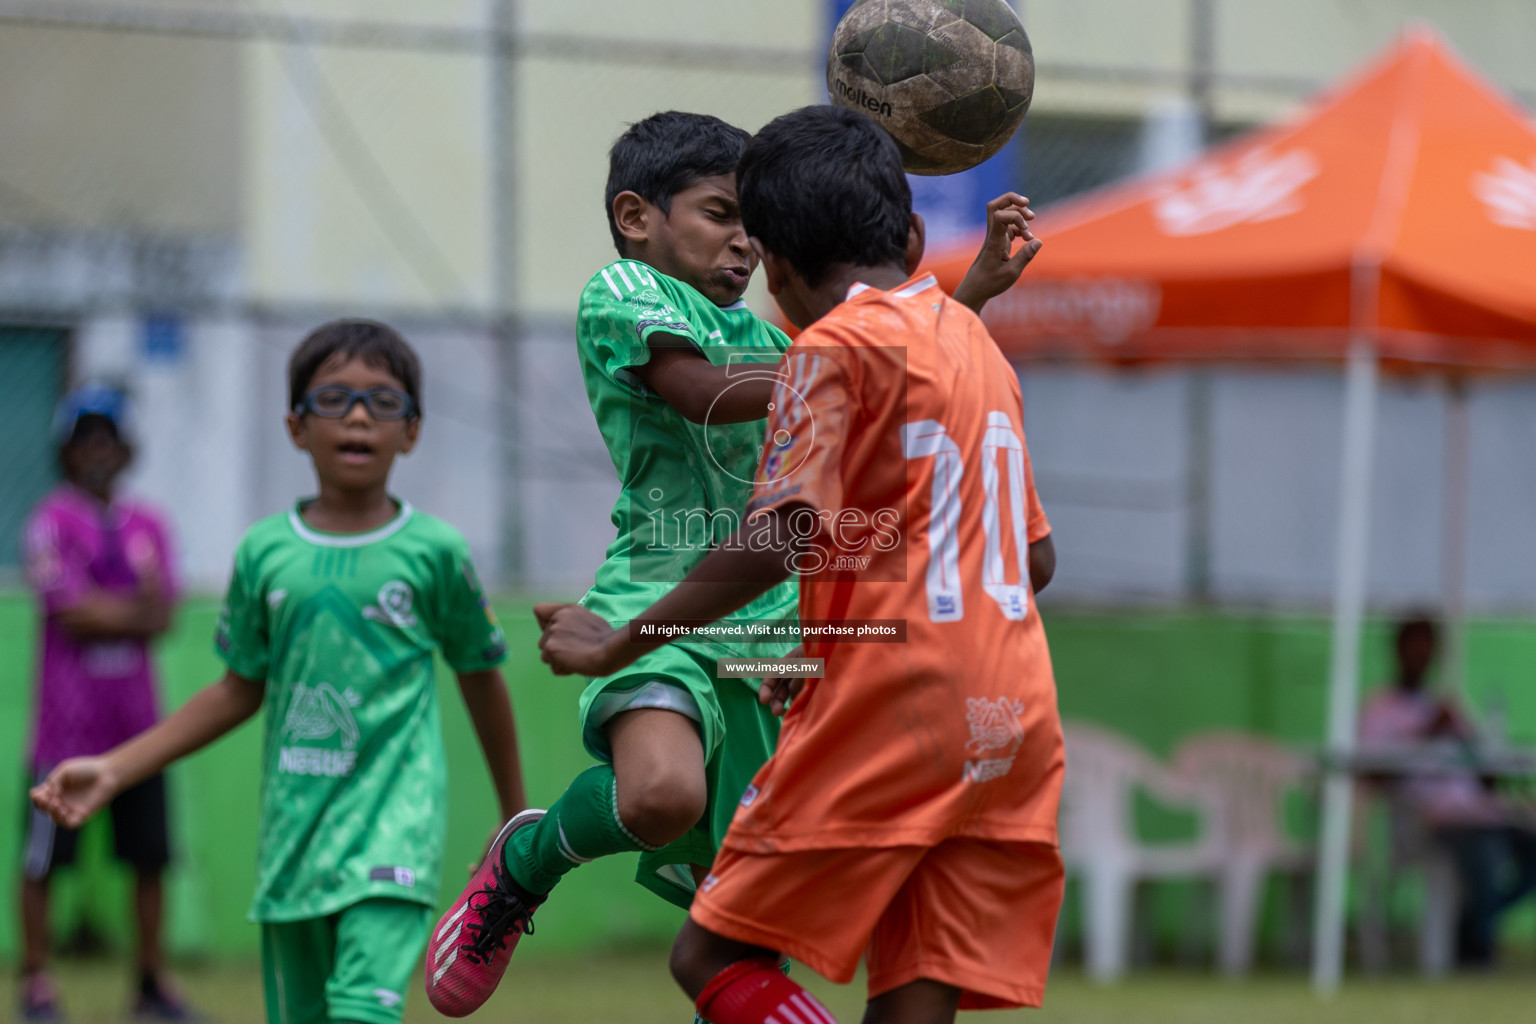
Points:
[(701, 391), (109, 616), (82, 786), (490, 709), (1042, 563)]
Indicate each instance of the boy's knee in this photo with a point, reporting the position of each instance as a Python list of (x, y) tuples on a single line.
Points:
[(684, 964), (698, 955), (661, 808)]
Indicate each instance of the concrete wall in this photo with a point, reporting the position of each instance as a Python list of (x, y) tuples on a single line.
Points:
[(569, 109), (369, 176), (104, 130)]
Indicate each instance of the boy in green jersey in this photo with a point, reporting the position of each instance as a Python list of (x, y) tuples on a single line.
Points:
[(679, 374), (333, 614)]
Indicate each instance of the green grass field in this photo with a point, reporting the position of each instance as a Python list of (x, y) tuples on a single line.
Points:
[(633, 988)]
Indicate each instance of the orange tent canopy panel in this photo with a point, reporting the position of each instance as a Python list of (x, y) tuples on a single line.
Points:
[(1402, 207)]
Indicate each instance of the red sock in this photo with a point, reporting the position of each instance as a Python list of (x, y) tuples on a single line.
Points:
[(757, 992)]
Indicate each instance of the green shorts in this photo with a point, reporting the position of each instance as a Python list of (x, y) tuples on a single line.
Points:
[(738, 733), (354, 965)]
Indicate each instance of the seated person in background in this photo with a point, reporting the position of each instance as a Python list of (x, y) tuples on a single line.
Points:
[(1495, 858)]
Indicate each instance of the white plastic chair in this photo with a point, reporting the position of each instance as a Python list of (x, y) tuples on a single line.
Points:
[(1104, 772), (1409, 847), (1248, 777)]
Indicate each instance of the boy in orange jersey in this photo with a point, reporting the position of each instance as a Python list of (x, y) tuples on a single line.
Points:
[(909, 813)]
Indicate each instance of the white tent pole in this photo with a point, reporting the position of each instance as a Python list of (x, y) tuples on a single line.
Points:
[(1344, 675), (1453, 576)]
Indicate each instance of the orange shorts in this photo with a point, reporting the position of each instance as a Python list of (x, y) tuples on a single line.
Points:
[(972, 913)]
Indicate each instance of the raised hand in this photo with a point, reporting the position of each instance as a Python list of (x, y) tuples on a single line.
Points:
[(998, 265), (75, 790)]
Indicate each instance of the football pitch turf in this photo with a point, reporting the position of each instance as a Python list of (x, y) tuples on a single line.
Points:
[(633, 988)]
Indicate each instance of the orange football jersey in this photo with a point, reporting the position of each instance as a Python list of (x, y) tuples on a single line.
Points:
[(898, 426)]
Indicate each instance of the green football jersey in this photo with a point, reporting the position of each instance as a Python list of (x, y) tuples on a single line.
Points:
[(685, 485), (343, 630)]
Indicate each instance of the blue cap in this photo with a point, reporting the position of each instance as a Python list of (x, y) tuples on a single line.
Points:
[(94, 400)]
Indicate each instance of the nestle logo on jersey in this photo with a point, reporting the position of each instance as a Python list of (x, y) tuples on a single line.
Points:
[(315, 761)]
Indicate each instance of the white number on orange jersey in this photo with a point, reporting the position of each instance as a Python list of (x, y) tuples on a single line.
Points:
[(927, 438), (923, 439)]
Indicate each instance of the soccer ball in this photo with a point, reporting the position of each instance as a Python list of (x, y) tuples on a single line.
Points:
[(951, 80)]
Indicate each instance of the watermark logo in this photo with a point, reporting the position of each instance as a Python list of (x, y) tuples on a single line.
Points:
[(756, 464), (789, 414)]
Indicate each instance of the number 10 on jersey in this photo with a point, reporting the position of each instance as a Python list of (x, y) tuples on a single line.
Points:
[(927, 439)]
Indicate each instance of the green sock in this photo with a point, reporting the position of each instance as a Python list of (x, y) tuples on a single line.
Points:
[(580, 826)]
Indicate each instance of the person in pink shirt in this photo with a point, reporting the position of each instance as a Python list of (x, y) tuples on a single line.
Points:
[(101, 569), (1495, 857)]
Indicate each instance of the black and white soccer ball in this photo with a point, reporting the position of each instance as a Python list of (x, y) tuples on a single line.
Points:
[(951, 80)]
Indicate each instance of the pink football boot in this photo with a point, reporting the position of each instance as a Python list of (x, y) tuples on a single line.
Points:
[(468, 951)]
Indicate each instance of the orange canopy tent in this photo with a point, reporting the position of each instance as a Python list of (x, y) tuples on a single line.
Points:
[(1393, 221), (1400, 207)]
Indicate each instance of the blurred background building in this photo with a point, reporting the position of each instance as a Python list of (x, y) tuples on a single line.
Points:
[(188, 186)]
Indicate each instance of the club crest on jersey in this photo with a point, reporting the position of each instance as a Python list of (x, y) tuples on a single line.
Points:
[(995, 730), (394, 607)]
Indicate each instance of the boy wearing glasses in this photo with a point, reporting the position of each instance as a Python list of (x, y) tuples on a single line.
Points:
[(333, 614)]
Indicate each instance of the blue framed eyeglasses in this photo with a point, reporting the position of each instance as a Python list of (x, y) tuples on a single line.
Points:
[(334, 402)]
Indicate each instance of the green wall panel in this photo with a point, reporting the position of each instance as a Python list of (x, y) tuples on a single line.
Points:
[(1157, 676)]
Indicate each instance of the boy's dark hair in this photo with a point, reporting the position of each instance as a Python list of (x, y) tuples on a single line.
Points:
[(376, 344), (824, 185), (659, 157)]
